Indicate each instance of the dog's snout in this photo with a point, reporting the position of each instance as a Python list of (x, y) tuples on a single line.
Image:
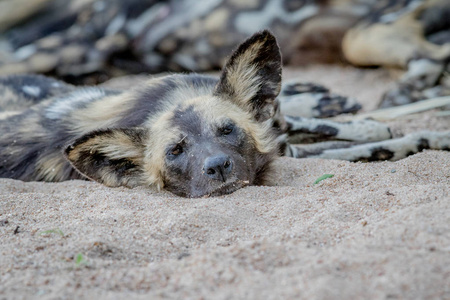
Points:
[(218, 167)]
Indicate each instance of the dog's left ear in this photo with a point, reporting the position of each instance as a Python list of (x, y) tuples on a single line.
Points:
[(251, 78), (113, 157)]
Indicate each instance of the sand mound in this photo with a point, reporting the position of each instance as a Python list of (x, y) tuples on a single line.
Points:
[(372, 231)]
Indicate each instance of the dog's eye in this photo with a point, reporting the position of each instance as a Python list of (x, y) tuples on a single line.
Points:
[(227, 129), (177, 150)]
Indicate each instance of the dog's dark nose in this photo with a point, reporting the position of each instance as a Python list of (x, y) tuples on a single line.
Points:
[(218, 167)]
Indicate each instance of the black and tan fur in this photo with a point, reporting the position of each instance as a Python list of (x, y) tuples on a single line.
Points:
[(193, 135)]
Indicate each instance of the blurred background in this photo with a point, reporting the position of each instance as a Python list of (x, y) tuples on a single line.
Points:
[(91, 41)]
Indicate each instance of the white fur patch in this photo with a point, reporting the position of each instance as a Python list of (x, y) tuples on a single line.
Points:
[(116, 25), (400, 147), (250, 22), (423, 69), (25, 52), (300, 105), (191, 9), (72, 101), (356, 130), (394, 16), (31, 90)]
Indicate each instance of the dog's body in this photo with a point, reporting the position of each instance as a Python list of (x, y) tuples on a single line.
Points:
[(131, 126), (194, 135)]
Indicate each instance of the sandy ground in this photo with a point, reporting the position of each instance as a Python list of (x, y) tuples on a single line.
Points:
[(373, 231)]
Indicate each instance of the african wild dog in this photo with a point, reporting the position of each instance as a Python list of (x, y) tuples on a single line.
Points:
[(193, 135)]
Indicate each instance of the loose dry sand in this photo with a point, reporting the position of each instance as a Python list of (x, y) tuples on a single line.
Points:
[(373, 231)]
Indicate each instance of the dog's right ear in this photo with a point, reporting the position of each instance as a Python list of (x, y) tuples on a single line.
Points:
[(252, 76)]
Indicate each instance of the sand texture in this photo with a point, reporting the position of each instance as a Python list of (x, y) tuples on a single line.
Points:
[(373, 231)]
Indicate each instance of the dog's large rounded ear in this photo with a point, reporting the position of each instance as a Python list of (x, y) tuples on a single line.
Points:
[(252, 76), (113, 157)]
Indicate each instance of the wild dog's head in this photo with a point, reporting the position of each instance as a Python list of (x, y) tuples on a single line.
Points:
[(213, 144)]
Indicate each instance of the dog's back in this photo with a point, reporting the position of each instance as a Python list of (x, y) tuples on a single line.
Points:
[(42, 115)]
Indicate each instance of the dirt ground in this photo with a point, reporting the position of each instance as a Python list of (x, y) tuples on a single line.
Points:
[(373, 231)]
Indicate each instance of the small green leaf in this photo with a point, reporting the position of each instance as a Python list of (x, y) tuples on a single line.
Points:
[(56, 230), (79, 260), (325, 176)]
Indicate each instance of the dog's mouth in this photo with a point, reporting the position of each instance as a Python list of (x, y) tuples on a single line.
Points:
[(223, 189), (219, 190), (228, 188)]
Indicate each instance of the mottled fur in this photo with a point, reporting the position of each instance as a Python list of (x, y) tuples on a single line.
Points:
[(415, 37), (194, 135)]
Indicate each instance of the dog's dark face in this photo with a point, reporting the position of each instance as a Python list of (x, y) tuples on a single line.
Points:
[(206, 145), (212, 155)]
